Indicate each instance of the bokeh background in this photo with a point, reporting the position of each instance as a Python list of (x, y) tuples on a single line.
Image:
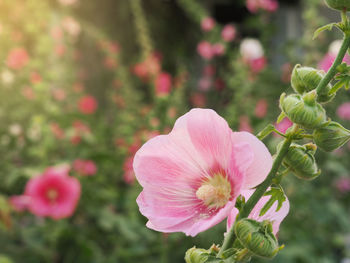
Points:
[(89, 81)]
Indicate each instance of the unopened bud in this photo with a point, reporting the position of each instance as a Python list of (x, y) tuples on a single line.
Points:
[(196, 255), (303, 110), (257, 237), (331, 136), (305, 79), (301, 161), (338, 4)]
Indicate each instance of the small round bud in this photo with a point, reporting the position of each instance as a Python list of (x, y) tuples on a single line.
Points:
[(331, 136), (196, 255), (257, 237), (303, 110), (338, 4), (301, 161), (305, 79)]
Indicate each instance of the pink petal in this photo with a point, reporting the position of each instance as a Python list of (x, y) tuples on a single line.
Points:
[(262, 163), (275, 217)]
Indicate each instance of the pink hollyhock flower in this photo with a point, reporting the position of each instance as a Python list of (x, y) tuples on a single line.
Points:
[(19, 203), (67, 2), (53, 194), (251, 49), (35, 77), (218, 49), (207, 24), (343, 111), (271, 215), (261, 108), (57, 130), (205, 50), (163, 84), (71, 26), (343, 184), (284, 125), (204, 83), (228, 33), (329, 58), (17, 58), (84, 167), (192, 176), (87, 104)]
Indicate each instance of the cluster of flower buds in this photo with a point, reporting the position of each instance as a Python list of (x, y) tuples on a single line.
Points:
[(338, 4)]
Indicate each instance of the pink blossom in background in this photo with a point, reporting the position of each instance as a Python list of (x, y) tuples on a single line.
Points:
[(59, 94), (87, 104), (228, 33), (257, 64), (244, 124), (80, 127), (163, 84), (56, 130), (84, 167), (205, 83), (28, 93), (60, 50), (129, 175), (218, 49), (205, 50), (35, 78), (151, 66), (251, 49), (343, 111), (209, 70), (71, 26), (52, 194), (268, 5), (68, 2), (327, 61), (19, 203), (207, 24), (17, 58), (110, 63), (284, 125), (271, 215), (261, 108), (342, 184), (206, 167)]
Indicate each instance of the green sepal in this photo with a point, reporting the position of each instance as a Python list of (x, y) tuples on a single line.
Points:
[(277, 195), (319, 30)]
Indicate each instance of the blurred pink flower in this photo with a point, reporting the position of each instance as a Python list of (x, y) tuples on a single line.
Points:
[(71, 26), (53, 194), (56, 130), (19, 203), (84, 167), (342, 184), (261, 108), (110, 63), (218, 49), (251, 49), (87, 104), (328, 60), (35, 77), (207, 24), (258, 64), (128, 175), (163, 84), (244, 124), (59, 94), (228, 33), (207, 166), (68, 2), (284, 125), (271, 215), (28, 93), (205, 50), (17, 58), (204, 83), (343, 111), (268, 5)]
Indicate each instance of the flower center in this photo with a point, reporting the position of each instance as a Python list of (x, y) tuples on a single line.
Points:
[(215, 192), (52, 195)]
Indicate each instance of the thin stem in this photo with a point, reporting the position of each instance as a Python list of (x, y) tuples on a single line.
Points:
[(259, 192), (333, 70)]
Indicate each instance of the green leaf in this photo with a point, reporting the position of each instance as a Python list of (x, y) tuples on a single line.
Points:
[(265, 132), (278, 195), (323, 28)]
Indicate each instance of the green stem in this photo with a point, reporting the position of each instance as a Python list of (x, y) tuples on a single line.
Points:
[(259, 192), (333, 70)]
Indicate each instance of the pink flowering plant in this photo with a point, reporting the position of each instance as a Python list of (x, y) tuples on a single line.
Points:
[(202, 172)]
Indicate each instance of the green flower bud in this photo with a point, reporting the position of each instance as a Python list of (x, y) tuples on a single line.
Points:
[(303, 110), (301, 161), (196, 255), (257, 237), (305, 79), (331, 136), (338, 4)]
